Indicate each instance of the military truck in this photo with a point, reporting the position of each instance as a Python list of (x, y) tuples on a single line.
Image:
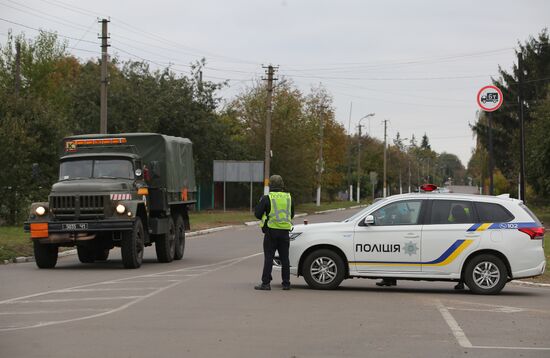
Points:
[(126, 190)]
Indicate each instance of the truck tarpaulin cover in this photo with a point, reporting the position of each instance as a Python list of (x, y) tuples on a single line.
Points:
[(174, 154)]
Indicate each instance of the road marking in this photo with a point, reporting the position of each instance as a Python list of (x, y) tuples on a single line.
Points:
[(502, 309), (56, 300), (55, 311), (109, 289), (453, 325), (215, 267), (464, 342)]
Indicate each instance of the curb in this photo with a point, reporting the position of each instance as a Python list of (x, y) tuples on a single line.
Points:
[(531, 284)]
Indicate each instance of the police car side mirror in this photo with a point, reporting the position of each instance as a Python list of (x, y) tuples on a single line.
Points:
[(369, 220)]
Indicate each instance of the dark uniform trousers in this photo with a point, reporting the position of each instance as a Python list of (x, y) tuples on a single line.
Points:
[(276, 240)]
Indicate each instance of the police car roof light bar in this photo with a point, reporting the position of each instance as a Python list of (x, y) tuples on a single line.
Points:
[(428, 187)]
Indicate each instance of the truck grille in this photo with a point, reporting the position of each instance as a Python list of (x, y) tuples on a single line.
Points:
[(76, 207)]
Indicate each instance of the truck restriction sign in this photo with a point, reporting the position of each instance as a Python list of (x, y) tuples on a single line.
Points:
[(489, 98)]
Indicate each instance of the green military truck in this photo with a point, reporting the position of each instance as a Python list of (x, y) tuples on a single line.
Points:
[(127, 190)]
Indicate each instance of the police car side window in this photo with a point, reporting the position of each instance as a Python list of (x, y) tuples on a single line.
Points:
[(451, 212), (399, 213), (491, 212)]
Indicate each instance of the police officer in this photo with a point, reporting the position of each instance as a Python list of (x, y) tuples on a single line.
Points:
[(275, 211)]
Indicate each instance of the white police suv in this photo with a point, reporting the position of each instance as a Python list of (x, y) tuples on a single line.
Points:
[(482, 241)]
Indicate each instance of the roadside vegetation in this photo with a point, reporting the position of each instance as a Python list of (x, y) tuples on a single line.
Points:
[(15, 243)]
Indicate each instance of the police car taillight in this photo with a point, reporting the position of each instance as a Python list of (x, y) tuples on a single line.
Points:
[(535, 233), (428, 187)]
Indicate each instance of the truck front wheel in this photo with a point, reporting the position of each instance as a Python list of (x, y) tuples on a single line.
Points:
[(180, 238), (165, 244), (132, 246), (45, 255)]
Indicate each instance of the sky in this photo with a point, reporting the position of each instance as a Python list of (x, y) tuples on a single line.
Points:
[(418, 64)]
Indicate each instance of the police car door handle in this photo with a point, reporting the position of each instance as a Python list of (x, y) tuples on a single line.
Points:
[(472, 234), (411, 236)]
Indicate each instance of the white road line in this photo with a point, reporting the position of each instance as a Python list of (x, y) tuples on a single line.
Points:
[(464, 342), (109, 289), (514, 348), (54, 311), (496, 309), (453, 325), (220, 265), (56, 300)]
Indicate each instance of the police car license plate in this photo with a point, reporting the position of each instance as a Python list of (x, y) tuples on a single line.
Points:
[(75, 226)]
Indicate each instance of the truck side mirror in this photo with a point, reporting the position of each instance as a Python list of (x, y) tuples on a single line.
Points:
[(369, 220), (154, 169)]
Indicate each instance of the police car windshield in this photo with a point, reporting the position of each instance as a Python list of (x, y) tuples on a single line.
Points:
[(364, 211), (96, 168)]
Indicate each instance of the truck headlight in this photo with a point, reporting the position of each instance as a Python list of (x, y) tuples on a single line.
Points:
[(40, 210), (120, 209)]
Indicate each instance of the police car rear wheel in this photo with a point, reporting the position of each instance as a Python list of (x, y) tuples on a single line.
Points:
[(323, 269), (486, 274)]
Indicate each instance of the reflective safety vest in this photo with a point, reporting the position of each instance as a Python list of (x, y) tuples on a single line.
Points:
[(280, 213)]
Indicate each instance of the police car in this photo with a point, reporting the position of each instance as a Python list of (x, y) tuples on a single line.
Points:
[(482, 241)]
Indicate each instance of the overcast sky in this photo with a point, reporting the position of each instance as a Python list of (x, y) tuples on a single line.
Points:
[(418, 64)]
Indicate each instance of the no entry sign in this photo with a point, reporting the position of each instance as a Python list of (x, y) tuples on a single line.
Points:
[(489, 98)]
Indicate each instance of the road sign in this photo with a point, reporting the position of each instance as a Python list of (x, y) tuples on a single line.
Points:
[(489, 98)]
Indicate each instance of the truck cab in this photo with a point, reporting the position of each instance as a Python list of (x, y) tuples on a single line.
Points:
[(129, 191)]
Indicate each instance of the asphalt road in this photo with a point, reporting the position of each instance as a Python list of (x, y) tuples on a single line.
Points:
[(205, 306)]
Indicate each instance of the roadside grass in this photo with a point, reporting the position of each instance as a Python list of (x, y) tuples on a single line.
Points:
[(543, 213), (14, 242)]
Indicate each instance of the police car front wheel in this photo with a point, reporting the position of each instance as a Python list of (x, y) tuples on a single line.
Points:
[(323, 269), (486, 274)]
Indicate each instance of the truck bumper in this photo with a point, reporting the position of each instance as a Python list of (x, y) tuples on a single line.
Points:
[(71, 231)]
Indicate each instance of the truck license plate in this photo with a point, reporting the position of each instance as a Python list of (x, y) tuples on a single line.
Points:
[(75, 226)]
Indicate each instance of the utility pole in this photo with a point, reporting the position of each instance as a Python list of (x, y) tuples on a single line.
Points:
[(521, 131), (320, 164), (491, 160), (358, 196), (104, 76), (350, 185), (409, 175), (267, 160), (17, 68), (385, 146)]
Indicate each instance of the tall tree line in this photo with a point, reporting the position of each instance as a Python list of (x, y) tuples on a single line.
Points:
[(59, 96), (505, 123)]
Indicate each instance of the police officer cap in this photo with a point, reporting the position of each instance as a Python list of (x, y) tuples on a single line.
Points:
[(276, 182)]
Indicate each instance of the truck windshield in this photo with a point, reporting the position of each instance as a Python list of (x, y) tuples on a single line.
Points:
[(96, 168)]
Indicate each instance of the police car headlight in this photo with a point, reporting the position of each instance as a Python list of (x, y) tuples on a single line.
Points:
[(40, 210), (294, 235), (120, 209)]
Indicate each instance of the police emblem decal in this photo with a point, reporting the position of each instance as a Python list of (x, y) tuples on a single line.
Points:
[(410, 248)]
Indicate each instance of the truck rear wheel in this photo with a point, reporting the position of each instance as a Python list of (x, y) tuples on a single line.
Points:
[(45, 255), (165, 244), (132, 246), (86, 254), (180, 238)]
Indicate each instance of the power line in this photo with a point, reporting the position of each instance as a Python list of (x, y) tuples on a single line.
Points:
[(43, 15), (47, 32)]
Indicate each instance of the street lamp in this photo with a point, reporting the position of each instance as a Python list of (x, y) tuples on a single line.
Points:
[(359, 157)]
